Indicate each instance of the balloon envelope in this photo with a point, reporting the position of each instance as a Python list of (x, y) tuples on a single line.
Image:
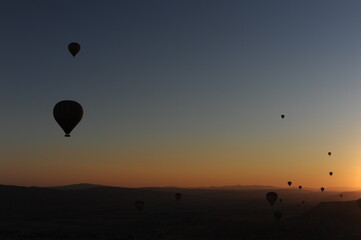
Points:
[(74, 48), (322, 189), (277, 215), (68, 114), (139, 205), (329, 153), (289, 183), (331, 173), (271, 197), (300, 187), (178, 196), (282, 116)]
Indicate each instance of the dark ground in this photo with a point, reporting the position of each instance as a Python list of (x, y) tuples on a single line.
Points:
[(97, 212)]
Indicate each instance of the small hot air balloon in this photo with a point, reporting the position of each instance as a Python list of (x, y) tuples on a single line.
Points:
[(178, 196), (329, 153), (322, 189), (300, 187), (282, 116), (359, 203), (139, 205), (341, 195), (289, 183), (331, 173), (281, 200), (271, 197), (68, 114), (74, 48), (277, 215)]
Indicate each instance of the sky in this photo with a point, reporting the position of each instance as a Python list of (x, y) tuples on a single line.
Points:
[(182, 93)]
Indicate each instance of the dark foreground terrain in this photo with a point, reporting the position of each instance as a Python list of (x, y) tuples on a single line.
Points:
[(99, 212)]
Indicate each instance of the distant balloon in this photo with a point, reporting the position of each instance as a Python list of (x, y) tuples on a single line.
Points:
[(359, 203), (289, 183), (329, 153), (322, 189), (178, 196), (277, 215), (139, 205), (74, 48), (300, 187), (282, 116), (271, 197), (68, 114), (341, 195), (331, 173)]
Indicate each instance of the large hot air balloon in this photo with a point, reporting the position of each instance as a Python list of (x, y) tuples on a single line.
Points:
[(322, 189), (329, 153), (277, 215), (139, 205), (74, 48), (68, 114), (282, 116), (331, 173), (300, 187), (271, 197), (178, 196), (289, 183)]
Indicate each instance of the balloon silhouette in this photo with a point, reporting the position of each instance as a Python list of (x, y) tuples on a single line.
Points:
[(359, 203), (282, 116), (271, 197), (277, 215), (331, 173), (322, 189), (300, 187), (74, 48), (178, 196), (68, 114), (289, 183), (139, 205), (329, 153)]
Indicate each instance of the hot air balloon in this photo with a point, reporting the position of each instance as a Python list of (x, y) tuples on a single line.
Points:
[(277, 215), (282, 116), (68, 114), (271, 197), (300, 187), (359, 203), (74, 48), (341, 195), (289, 183), (178, 196), (322, 189), (139, 205), (331, 173), (329, 153)]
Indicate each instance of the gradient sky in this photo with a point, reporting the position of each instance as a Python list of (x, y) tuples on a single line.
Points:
[(182, 93)]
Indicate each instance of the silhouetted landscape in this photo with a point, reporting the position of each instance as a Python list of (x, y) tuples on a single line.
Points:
[(87, 211)]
